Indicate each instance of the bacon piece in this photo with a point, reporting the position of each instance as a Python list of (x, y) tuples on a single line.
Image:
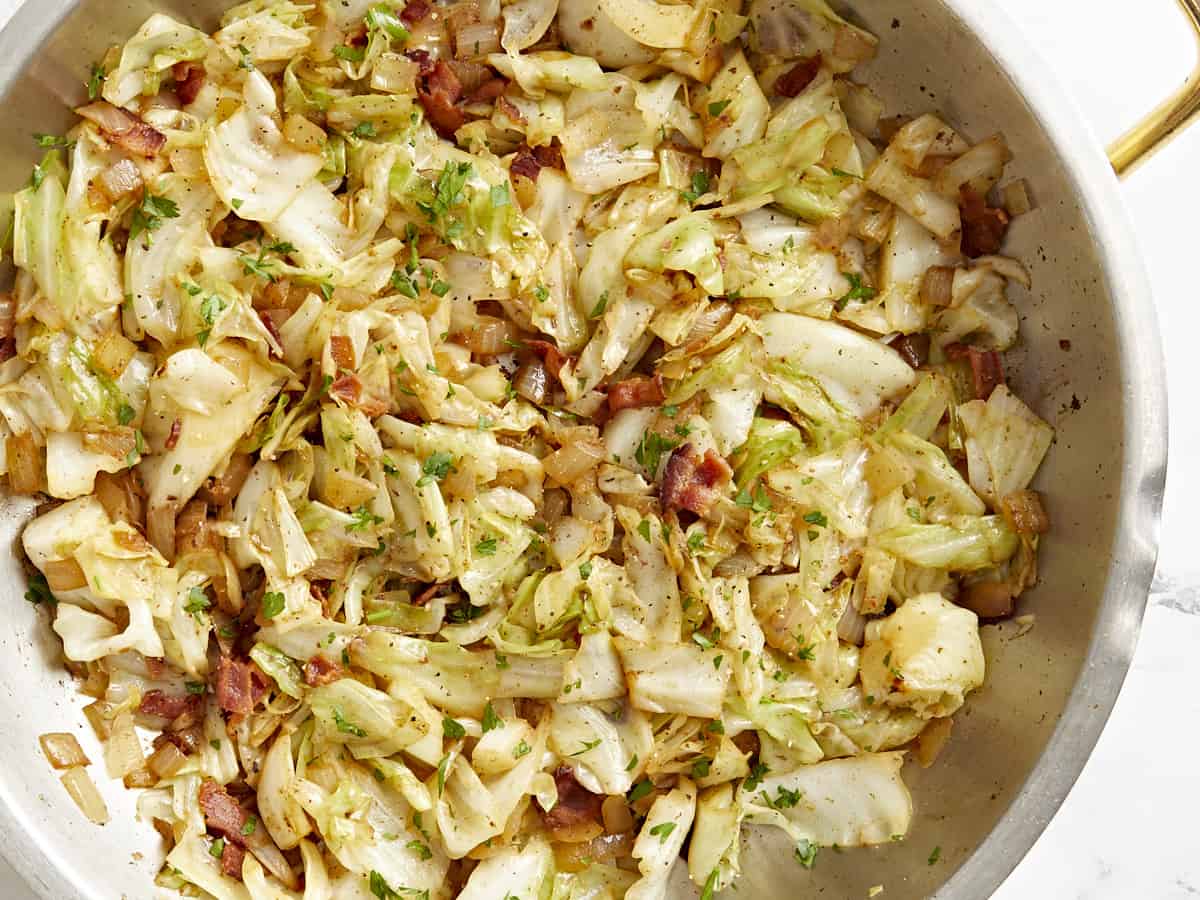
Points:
[(347, 389), (797, 78), (220, 490), (577, 816), (414, 12), (232, 858), (271, 319), (692, 481), (635, 392), (525, 163), (984, 227), (506, 106), (319, 671), (549, 156), (167, 706), (552, 357), (123, 128), (913, 348), (222, 813), (1025, 512), (342, 351), (489, 90), (434, 590), (193, 532), (173, 435), (987, 368), (189, 79), (439, 95), (237, 688), (186, 739), (424, 61)]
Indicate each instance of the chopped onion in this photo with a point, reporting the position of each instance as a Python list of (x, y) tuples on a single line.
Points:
[(119, 179), (617, 817), (112, 353), (1017, 201), (167, 760), (532, 382), (140, 778), (476, 40), (489, 336), (120, 497), (852, 626), (115, 442), (123, 750), (931, 741), (79, 785), (63, 750), (26, 464), (1025, 512), (64, 575), (303, 134), (566, 465), (937, 287), (97, 716)]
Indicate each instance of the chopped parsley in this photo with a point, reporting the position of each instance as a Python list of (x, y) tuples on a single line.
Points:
[(39, 591), (363, 519), (259, 266), (935, 855), (601, 305), (758, 772), (640, 790), (858, 291), (755, 500), (816, 517), (452, 728), (663, 830), (197, 603), (486, 547), (350, 54), (587, 747), (491, 721), (644, 529), (95, 84), (715, 109), (421, 849), (148, 214), (700, 184), (701, 767), (522, 749), (650, 450), (695, 542), (806, 853), (436, 467), (585, 570)]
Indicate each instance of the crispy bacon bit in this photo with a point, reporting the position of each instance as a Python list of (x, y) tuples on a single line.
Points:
[(237, 688), (549, 156), (173, 436), (269, 317), (414, 12), (439, 94), (913, 349), (635, 392), (577, 816), (989, 599), (1025, 512), (167, 706), (504, 105), (489, 90), (155, 667), (186, 740), (124, 129), (342, 351), (797, 78), (984, 227), (434, 590), (219, 491), (987, 368), (222, 813), (551, 356), (232, 858), (692, 481), (424, 61), (347, 389), (189, 79), (193, 532), (319, 671), (525, 163)]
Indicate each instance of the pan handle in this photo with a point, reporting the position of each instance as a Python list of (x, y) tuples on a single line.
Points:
[(1164, 123)]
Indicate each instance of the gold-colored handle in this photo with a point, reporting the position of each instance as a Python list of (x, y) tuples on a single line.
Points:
[(1171, 117)]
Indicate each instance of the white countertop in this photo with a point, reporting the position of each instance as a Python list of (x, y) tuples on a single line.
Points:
[(1128, 828)]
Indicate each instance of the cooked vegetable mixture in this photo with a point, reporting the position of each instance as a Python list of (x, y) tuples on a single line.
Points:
[(489, 448)]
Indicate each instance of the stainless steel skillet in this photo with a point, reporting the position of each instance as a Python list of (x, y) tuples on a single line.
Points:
[(1023, 739)]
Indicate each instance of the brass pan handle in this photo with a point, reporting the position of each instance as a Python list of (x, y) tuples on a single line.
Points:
[(1168, 120)]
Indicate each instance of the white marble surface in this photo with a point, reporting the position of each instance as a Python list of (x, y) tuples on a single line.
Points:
[(1128, 828)]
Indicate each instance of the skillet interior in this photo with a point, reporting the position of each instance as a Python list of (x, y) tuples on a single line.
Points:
[(929, 60)]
